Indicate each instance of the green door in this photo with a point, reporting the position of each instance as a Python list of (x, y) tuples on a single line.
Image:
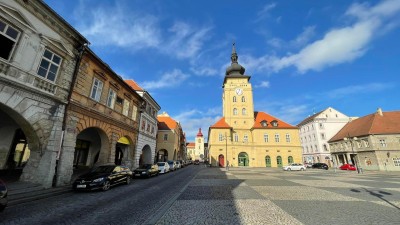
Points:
[(243, 159), (279, 161), (268, 161), (290, 159)]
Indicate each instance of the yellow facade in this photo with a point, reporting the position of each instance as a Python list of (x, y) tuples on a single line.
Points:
[(244, 139)]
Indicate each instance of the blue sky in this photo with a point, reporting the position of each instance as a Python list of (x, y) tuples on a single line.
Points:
[(302, 56)]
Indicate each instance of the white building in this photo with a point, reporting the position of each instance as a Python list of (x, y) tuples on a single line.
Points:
[(315, 132), (145, 152)]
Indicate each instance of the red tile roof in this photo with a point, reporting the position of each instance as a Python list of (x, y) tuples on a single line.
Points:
[(387, 123), (166, 123), (190, 145), (260, 116), (221, 124), (133, 85)]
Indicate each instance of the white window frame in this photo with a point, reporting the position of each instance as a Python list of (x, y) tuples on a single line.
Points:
[(165, 138), (236, 137), (245, 138), (244, 111), (383, 143), (96, 90), (15, 40), (112, 95), (125, 108), (288, 138), (277, 138), (266, 138), (51, 64), (235, 112), (220, 137)]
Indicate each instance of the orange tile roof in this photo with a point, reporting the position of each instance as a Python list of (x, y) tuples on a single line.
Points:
[(166, 123), (133, 85), (221, 124), (190, 145), (388, 123), (260, 116)]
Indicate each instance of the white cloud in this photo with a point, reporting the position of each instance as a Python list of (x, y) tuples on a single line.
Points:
[(263, 84), (204, 71), (338, 45), (170, 79), (264, 12), (358, 89), (117, 26)]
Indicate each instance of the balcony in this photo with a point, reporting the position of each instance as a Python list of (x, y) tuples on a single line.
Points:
[(13, 73)]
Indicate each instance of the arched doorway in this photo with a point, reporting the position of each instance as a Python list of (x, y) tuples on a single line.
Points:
[(267, 161), (162, 155), (290, 159), (145, 157), (122, 151), (279, 161), (221, 160), (243, 159)]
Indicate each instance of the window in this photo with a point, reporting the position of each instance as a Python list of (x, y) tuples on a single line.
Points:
[(264, 123), (265, 137), (382, 142), (96, 89), (396, 161), (243, 99), (276, 137), (316, 148), (314, 137), (165, 137), (119, 100), (288, 138), (234, 98), (290, 159), (152, 129), (220, 137), (49, 65), (8, 39), (245, 138), (235, 112), (322, 136), (236, 137), (321, 125), (125, 109), (143, 125), (325, 148), (148, 127), (134, 112), (243, 111), (274, 123), (111, 98), (366, 143)]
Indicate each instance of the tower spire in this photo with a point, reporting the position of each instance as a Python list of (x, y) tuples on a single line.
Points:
[(235, 68), (234, 57)]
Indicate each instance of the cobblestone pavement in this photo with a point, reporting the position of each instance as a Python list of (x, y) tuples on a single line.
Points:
[(272, 196)]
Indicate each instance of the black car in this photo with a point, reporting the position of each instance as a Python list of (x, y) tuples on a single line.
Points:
[(103, 177), (3, 196), (320, 166), (146, 170)]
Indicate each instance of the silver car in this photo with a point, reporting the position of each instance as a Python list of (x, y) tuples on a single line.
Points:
[(294, 166), (163, 167)]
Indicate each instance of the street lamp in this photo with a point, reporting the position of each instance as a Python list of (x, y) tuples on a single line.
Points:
[(352, 149)]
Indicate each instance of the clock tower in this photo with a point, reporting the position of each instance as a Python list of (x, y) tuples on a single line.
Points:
[(237, 98)]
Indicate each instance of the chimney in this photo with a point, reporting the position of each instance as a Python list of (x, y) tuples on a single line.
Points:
[(379, 111)]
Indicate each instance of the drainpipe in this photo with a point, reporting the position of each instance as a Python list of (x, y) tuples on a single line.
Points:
[(74, 76)]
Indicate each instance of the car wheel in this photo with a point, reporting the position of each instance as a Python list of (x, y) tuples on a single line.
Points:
[(302, 169), (289, 169), (106, 185), (128, 180)]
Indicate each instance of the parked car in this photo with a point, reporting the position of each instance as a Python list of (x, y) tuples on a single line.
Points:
[(309, 165), (146, 170), (294, 166), (320, 166), (178, 164), (182, 162), (163, 167), (189, 162), (172, 165), (347, 167), (196, 162), (103, 177), (3, 196)]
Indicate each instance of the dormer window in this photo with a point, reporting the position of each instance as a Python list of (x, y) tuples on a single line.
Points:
[(274, 123), (264, 123)]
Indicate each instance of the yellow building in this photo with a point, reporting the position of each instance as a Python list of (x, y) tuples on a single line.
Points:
[(245, 137)]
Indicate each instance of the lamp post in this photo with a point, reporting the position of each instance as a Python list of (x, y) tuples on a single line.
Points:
[(352, 149)]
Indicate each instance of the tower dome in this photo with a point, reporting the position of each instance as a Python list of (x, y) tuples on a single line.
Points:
[(235, 68)]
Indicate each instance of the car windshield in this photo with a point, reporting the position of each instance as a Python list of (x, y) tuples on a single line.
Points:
[(145, 166), (103, 169), (161, 164)]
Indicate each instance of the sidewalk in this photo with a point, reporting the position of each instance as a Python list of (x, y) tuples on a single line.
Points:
[(20, 192)]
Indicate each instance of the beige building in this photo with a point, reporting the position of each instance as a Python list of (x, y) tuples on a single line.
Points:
[(170, 139), (244, 137), (196, 149), (371, 142)]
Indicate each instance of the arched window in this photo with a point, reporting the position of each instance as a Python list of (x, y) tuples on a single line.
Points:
[(243, 99), (290, 159), (279, 161), (234, 98), (268, 161), (236, 137), (235, 111), (244, 111)]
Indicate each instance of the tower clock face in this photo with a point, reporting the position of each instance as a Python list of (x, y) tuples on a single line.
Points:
[(239, 91)]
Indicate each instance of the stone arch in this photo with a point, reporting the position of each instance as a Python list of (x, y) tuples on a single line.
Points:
[(162, 155), (145, 157), (124, 151)]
